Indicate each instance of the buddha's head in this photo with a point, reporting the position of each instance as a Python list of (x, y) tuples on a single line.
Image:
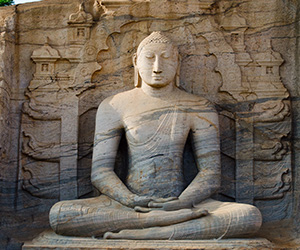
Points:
[(156, 62)]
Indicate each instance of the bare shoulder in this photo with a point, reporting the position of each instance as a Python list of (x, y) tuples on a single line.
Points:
[(196, 103), (202, 112), (110, 111), (116, 103)]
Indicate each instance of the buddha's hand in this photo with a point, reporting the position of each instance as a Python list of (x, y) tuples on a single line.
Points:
[(137, 200), (171, 205), (146, 208)]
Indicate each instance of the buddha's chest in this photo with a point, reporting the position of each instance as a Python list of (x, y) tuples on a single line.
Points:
[(159, 127)]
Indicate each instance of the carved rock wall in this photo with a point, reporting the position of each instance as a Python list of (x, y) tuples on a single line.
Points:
[(60, 59), (9, 122)]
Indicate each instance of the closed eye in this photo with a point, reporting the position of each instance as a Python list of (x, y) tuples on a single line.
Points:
[(165, 55), (149, 56)]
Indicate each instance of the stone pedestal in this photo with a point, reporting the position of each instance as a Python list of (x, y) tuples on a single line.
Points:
[(50, 240)]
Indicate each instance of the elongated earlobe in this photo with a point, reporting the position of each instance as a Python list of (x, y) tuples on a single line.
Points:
[(137, 78)]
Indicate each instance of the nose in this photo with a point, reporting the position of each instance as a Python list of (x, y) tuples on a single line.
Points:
[(157, 66)]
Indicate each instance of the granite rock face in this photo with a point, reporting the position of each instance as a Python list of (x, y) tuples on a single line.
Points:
[(60, 59)]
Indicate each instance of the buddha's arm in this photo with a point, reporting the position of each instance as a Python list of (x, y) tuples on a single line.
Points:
[(205, 135), (108, 133), (206, 144)]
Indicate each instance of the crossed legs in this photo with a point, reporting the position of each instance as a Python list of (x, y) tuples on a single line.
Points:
[(225, 219), (101, 215)]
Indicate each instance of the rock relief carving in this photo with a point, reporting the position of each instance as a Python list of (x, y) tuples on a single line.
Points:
[(267, 122), (61, 76), (45, 150), (271, 111), (239, 74)]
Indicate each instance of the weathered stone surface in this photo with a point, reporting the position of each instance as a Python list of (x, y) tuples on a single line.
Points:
[(50, 240), (241, 55)]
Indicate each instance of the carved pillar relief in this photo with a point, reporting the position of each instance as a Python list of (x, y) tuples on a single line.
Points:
[(263, 125), (50, 117), (272, 155)]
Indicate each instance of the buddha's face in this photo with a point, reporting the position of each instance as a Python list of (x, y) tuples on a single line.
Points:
[(157, 64)]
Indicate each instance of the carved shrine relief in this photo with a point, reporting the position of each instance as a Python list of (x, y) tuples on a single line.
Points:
[(80, 24), (263, 128), (50, 116)]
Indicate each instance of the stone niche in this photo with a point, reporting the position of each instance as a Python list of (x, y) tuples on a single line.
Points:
[(60, 59)]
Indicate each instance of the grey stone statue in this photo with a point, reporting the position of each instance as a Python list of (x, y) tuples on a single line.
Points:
[(155, 202)]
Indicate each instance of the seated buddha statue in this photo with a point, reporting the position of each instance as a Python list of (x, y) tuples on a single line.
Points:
[(154, 202)]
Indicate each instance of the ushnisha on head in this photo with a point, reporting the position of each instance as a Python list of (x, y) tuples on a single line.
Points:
[(156, 62)]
